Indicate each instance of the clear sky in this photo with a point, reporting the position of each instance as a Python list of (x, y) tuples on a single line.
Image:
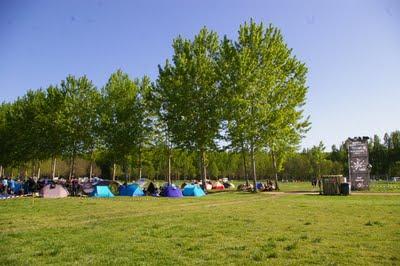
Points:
[(352, 49)]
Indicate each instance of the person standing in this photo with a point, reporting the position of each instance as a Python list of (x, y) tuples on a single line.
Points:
[(5, 185), (11, 184)]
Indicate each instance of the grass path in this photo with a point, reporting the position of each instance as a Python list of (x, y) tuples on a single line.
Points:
[(219, 229)]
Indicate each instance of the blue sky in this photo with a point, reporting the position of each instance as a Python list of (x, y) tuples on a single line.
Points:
[(352, 49)]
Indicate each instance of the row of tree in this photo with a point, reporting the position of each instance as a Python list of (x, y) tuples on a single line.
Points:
[(304, 165), (384, 156), (243, 96)]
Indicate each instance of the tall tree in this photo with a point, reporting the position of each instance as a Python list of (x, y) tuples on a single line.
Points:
[(265, 84), (79, 117), (317, 157), (121, 118), (145, 115), (51, 120), (190, 94), (5, 137)]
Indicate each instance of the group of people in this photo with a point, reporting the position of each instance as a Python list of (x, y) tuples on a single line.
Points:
[(27, 185), (17, 186), (267, 186), (316, 182)]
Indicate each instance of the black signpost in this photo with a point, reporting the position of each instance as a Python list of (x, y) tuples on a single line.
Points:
[(359, 167)]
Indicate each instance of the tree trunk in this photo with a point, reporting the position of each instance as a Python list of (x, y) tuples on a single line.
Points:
[(246, 177), (253, 168), (203, 168), (126, 171), (275, 169), (73, 166), (33, 169), (140, 162), (53, 168), (70, 168), (38, 172), (91, 170), (126, 175), (113, 175), (1, 171), (169, 165)]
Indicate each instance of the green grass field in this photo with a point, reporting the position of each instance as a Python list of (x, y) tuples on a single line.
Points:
[(221, 228)]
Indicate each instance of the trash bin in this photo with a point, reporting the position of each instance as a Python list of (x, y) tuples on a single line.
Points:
[(344, 189)]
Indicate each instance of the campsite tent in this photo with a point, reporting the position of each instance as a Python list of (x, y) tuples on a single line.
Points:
[(131, 190), (87, 188), (53, 191), (218, 185), (228, 185), (172, 191), (193, 190), (112, 185), (102, 192), (143, 182)]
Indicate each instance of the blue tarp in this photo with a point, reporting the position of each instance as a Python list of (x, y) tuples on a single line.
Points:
[(193, 190), (131, 190), (102, 192), (260, 185), (17, 187)]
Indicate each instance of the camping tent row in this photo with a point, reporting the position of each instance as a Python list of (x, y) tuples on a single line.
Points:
[(131, 190)]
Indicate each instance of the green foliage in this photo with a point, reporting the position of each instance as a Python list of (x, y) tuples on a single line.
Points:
[(247, 94), (120, 116), (265, 86), (79, 117), (189, 95)]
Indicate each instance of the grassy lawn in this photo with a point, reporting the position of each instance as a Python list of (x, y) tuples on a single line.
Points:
[(384, 186), (297, 186), (221, 228)]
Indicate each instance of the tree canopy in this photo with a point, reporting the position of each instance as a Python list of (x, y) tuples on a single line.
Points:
[(220, 106)]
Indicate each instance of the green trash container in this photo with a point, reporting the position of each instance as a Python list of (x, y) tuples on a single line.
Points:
[(345, 189)]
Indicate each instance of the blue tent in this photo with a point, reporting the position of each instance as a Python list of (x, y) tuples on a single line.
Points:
[(102, 192), (193, 190), (172, 191), (131, 190)]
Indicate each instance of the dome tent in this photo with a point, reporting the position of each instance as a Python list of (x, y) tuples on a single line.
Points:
[(102, 192), (113, 186), (131, 190), (53, 191), (193, 190), (218, 185), (87, 188), (171, 191)]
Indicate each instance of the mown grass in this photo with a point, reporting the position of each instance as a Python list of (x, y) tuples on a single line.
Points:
[(384, 186), (221, 228)]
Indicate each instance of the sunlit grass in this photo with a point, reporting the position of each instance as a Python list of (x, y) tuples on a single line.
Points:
[(222, 228)]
